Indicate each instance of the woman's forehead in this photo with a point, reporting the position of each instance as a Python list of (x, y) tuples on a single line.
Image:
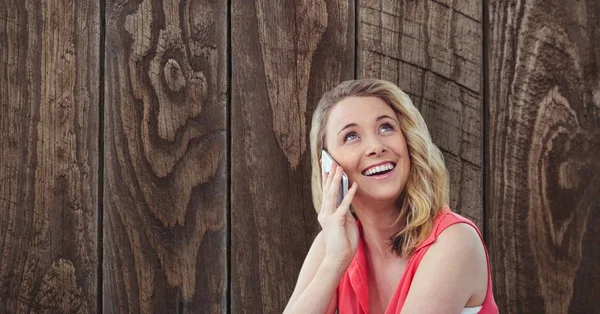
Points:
[(358, 110)]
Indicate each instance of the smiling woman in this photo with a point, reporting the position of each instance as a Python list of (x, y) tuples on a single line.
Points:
[(401, 250)]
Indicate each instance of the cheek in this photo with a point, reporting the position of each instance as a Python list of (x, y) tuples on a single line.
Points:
[(341, 156), (350, 161), (407, 165), (406, 158), (399, 146)]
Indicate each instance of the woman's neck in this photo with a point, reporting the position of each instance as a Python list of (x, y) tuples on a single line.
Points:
[(379, 224)]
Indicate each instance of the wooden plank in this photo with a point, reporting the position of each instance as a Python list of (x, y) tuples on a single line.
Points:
[(166, 157), (432, 51), (285, 55), (49, 69), (544, 166)]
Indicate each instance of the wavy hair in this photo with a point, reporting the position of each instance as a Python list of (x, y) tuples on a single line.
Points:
[(426, 191)]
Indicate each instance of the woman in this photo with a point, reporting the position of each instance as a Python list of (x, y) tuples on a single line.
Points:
[(400, 249)]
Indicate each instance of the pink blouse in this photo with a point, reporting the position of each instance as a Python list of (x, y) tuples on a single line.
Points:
[(353, 294)]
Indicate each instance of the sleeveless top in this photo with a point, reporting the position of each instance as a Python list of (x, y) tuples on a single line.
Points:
[(352, 291)]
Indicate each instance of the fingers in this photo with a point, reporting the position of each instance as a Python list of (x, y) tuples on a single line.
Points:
[(334, 187), (325, 203), (344, 207), (330, 189), (327, 183), (350, 218)]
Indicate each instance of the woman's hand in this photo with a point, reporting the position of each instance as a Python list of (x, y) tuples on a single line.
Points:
[(340, 232)]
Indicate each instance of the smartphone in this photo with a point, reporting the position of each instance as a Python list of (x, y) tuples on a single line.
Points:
[(326, 168)]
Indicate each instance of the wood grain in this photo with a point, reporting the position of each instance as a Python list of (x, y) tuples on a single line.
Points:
[(432, 51), (49, 69), (285, 55), (166, 157), (544, 167)]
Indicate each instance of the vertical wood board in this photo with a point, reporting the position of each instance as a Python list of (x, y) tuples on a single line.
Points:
[(165, 190), (49, 69), (285, 55), (544, 173)]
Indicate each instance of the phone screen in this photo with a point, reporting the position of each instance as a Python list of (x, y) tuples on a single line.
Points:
[(326, 168)]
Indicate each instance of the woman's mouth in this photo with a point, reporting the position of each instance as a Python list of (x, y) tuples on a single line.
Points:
[(381, 171)]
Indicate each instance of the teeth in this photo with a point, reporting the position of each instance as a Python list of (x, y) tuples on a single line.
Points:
[(378, 169)]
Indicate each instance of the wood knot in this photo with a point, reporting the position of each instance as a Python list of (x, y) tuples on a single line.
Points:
[(567, 175), (173, 75)]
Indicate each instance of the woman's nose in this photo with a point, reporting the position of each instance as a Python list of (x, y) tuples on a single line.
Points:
[(376, 147)]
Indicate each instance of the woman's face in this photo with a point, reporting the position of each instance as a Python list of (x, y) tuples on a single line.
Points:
[(363, 135)]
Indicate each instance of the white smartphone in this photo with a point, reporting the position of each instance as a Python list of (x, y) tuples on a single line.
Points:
[(326, 168)]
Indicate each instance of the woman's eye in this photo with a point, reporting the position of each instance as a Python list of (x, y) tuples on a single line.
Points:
[(350, 136), (386, 127)]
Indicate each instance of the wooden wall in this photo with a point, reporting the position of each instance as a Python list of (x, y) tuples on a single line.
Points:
[(154, 155), (543, 214), (166, 158), (49, 156), (285, 55)]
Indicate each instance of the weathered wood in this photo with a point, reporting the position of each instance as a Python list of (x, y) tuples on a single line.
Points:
[(543, 219), (166, 157), (432, 50), (285, 55), (49, 67)]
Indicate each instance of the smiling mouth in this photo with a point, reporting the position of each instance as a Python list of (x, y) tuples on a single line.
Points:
[(379, 170)]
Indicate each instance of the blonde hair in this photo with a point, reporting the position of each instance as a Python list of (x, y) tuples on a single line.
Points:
[(426, 191)]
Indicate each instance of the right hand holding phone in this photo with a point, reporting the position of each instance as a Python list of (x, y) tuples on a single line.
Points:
[(339, 226)]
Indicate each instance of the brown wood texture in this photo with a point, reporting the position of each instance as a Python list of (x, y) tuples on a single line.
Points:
[(49, 69), (285, 55), (165, 191), (544, 216), (432, 50)]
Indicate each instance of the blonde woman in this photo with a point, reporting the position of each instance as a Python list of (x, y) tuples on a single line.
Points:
[(400, 249)]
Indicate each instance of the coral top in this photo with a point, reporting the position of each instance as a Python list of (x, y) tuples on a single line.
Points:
[(353, 294)]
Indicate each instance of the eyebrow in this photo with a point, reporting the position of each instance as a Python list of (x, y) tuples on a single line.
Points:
[(378, 118)]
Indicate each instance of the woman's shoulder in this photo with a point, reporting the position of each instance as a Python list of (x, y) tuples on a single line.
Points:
[(455, 259), (461, 234), (452, 229), (457, 238), (447, 218)]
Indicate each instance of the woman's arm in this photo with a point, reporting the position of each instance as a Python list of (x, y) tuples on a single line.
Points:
[(452, 272), (315, 291), (331, 252)]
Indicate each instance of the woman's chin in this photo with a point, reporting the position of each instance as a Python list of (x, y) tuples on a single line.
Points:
[(380, 195)]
